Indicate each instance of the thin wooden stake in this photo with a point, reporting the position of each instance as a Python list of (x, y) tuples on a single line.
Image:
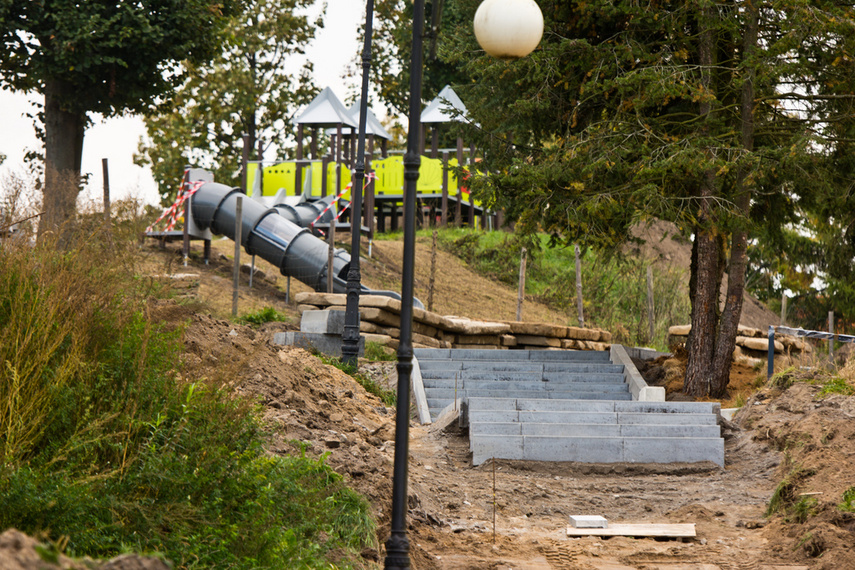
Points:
[(831, 340), (494, 500), (579, 306), (432, 280), (238, 231), (651, 313), (521, 291), (783, 309)]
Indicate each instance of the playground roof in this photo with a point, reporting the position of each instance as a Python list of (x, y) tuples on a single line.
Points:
[(326, 110), (372, 125), (445, 108)]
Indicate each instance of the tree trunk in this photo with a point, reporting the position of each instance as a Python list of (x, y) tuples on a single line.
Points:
[(63, 152), (729, 326), (705, 271)]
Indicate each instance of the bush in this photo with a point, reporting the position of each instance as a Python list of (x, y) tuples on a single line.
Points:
[(103, 444)]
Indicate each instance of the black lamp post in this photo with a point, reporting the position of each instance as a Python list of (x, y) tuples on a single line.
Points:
[(528, 18), (350, 335)]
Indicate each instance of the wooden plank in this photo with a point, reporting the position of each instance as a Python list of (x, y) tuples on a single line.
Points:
[(643, 529)]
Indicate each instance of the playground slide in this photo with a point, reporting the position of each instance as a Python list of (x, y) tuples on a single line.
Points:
[(277, 235)]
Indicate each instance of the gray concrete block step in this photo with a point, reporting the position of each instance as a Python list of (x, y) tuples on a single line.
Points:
[(534, 404), (521, 366), (597, 449), (448, 394), (522, 376), (477, 429), (580, 417), (512, 355), (474, 385)]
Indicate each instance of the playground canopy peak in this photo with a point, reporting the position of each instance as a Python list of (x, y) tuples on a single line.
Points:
[(372, 124), (445, 108), (326, 110)]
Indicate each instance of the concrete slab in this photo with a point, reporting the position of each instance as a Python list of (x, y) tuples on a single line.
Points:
[(666, 419), (587, 449), (673, 450), (324, 343), (588, 521), (322, 322)]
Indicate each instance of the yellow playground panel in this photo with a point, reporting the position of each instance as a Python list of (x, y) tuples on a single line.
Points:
[(283, 175), (389, 182)]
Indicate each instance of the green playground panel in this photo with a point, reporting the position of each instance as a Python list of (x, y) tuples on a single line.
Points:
[(283, 175)]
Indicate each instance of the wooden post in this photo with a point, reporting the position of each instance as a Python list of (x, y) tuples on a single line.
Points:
[(186, 241), (434, 140), (783, 309), (244, 161), (651, 314), (831, 340), (579, 307), (106, 174), (260, 174), (236, 270), (314, 143), (432, 280), (521, 291), (325, 162), (298, 165), (331, 254), (458, 214), (443, 219)]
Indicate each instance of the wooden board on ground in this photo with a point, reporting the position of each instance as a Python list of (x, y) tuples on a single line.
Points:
[(643, 529)]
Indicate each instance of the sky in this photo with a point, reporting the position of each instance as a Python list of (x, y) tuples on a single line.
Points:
[(116, 139)]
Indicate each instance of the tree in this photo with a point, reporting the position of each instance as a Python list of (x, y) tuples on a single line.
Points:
[(393, 32), (712, 115), (245, 89), (97, 57)]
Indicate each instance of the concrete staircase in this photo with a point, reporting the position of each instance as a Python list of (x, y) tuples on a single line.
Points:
[(565, 406)]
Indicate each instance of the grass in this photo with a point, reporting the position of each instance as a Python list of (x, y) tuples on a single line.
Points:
[(848, 502), (262, 316), (614, 287), (376, 352), (388, 397), (783, 499), (102, 445)]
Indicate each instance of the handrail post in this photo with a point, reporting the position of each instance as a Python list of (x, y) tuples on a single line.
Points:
[(771, 367)]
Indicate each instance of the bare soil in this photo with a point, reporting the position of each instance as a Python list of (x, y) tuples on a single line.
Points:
[(514, 514)]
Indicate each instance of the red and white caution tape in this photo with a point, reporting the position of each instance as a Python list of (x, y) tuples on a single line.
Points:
[(173, 212)]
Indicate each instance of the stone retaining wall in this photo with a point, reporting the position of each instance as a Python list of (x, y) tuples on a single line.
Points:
[(380, 321)]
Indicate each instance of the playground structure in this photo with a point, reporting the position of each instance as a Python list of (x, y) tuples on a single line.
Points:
[(293, 201), (443, 197)]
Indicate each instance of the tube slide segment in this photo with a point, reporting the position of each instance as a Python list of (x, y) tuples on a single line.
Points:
[(275, 234)]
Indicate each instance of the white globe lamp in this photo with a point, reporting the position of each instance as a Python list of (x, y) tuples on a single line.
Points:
[(508, 29)]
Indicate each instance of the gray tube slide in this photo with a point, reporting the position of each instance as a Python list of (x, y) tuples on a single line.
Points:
[(275, 234)]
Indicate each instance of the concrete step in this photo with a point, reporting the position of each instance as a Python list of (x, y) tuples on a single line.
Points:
[(521, 366), (512, 355), (474, 385), (522, 376), (528, 404), (593, 430), (594, 394), (581, 417), (598, 449)]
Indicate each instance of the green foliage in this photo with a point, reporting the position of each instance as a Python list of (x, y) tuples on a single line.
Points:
[(115, 56), (783, 499), (848, 503), (837, 385), (265, 315), (376, 352), (614, 288), (387, 396), (101, 443), (247, 88)]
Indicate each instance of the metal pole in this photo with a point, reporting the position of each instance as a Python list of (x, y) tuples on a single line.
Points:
[(398, 545), (106, 174), (350, 336), (236, 275), (521, 289)]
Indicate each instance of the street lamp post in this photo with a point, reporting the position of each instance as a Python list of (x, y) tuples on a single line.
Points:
[(350, 335), (398, 545)]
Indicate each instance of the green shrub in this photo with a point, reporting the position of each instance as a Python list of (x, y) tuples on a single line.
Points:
[(848, 503), (376, 352), (101, 443), (265, 315)]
